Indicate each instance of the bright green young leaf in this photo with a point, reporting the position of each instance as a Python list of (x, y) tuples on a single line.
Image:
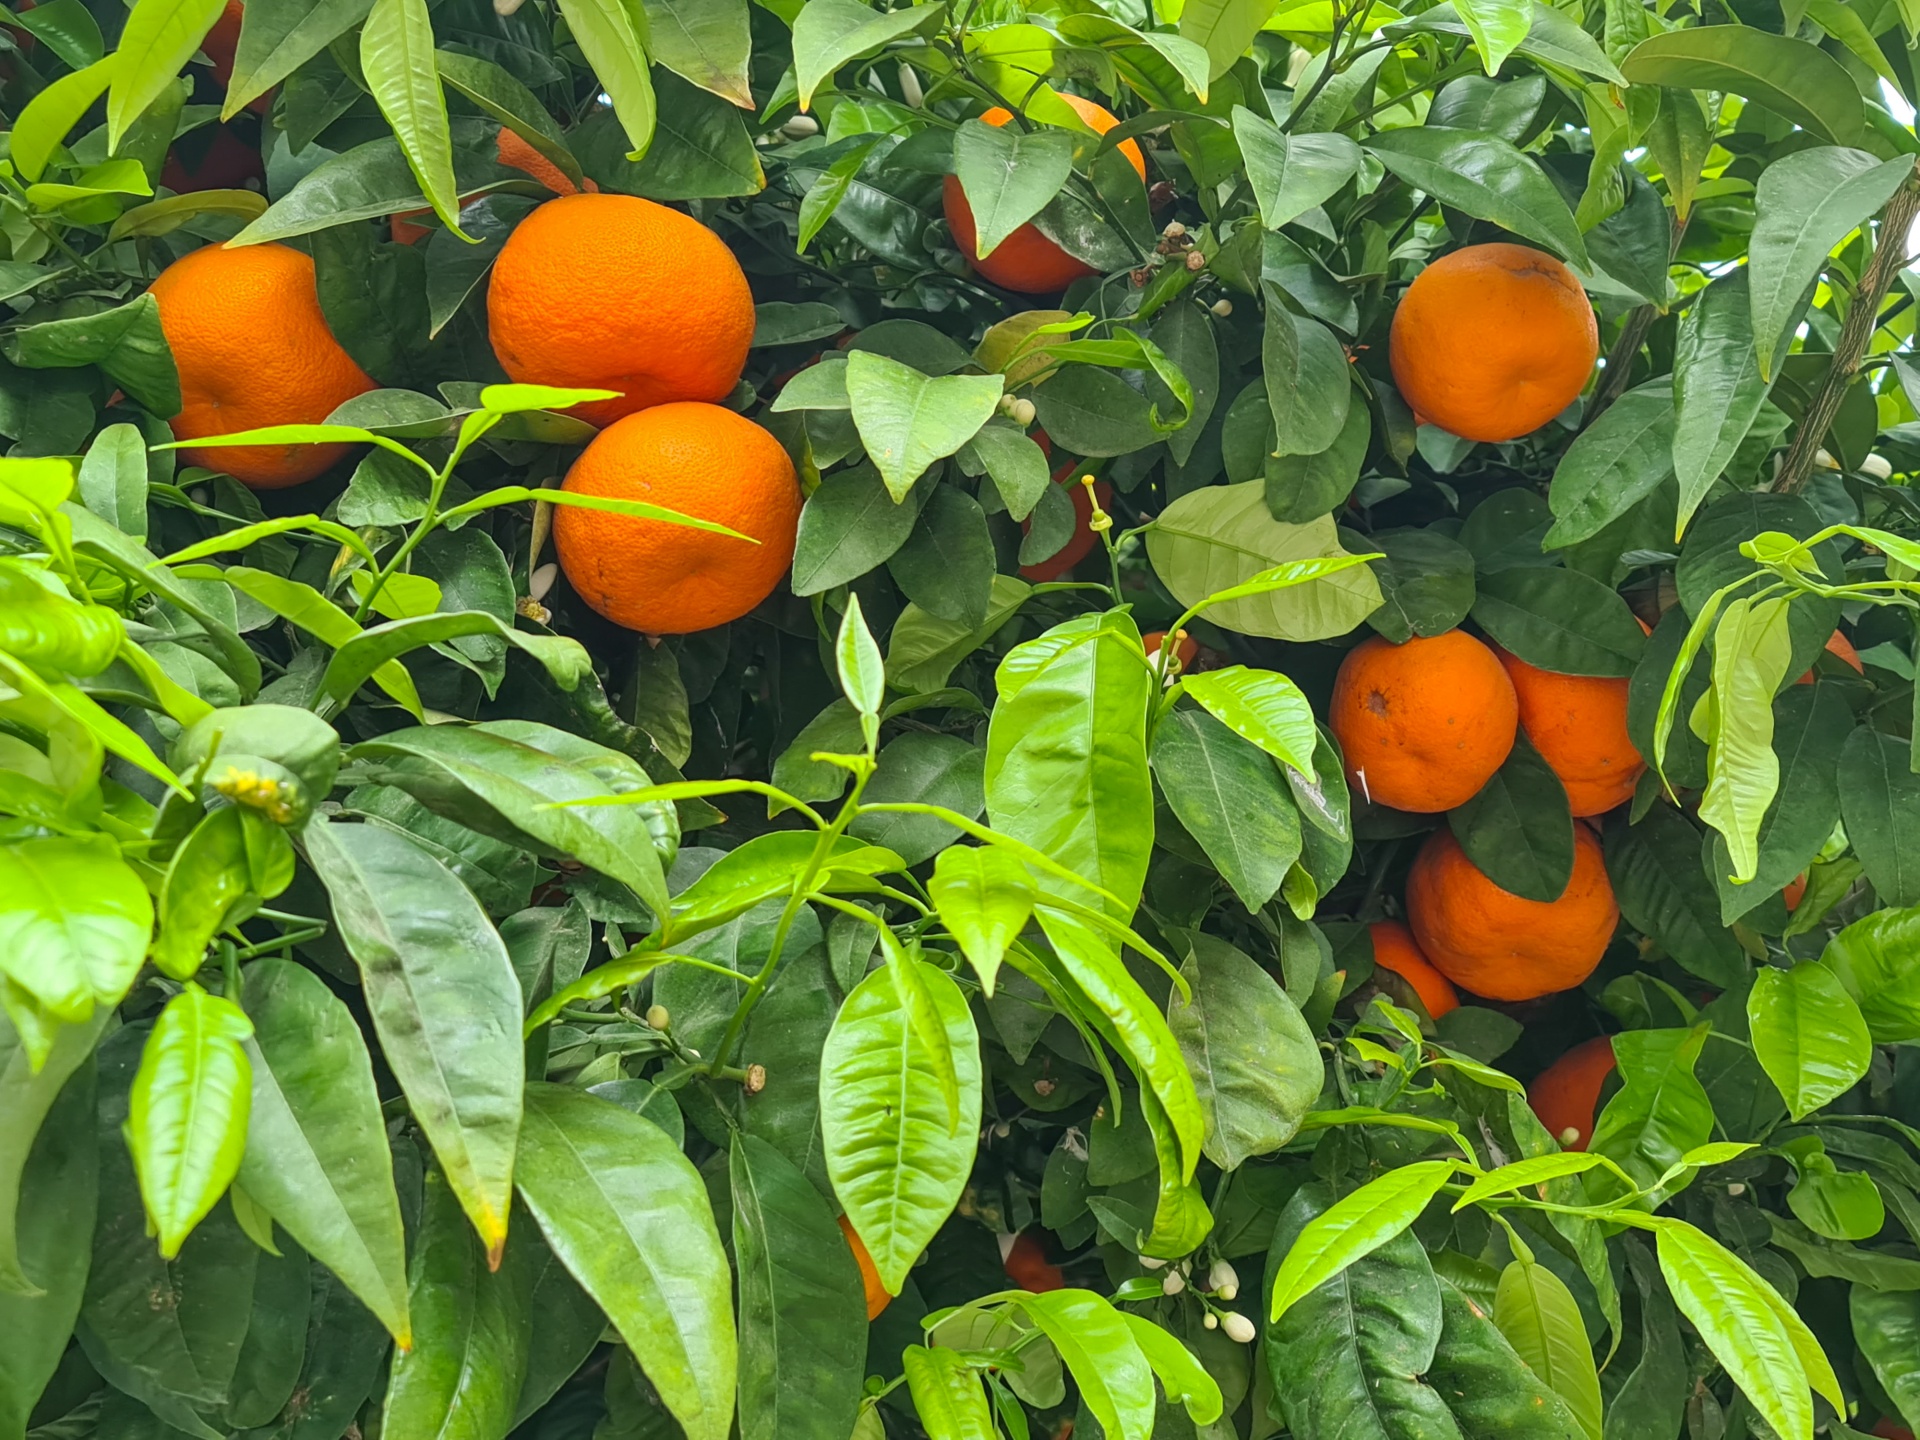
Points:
[(1103, 1355), (1808, 1035), (705, 41), (188, 1122), (1183, 1378), (1355, 1226), (1225, 27), (908, 420), (1262, 706), (1487, 178), (74, 924), (627, 1214), (984, 897), (1538, 1315), (1878, 961), (1008, 176), (612, 35), (233, 860), (897, 1158), (947, 1395), (1519, 1174), (159, 37), (829, 33), (444, 1001), (1662, 1111), (863, 673), (397, 58), (1751, 652)]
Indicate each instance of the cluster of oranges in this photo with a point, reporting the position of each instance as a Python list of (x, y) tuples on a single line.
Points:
[(591, 291)]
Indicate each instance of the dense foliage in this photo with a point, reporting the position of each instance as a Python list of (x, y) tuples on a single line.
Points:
[(433, 1010)]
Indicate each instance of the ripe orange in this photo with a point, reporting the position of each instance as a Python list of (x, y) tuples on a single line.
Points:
[(1837, 644), (877, 1297), (253, 349), (1425, 724), (1493, 341), (1496, 944), (1026, 1265), (1081, 543), (1578, 723), (1395, 949), (612, 292), (514, 153), (1566, 1094), (666, 579), (1026, 260)]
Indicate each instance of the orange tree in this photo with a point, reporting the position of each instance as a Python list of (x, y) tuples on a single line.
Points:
[(819, 721)]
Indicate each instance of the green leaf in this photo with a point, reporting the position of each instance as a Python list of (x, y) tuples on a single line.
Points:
[(1880, 806), (1487, 178), (497, 93), (1497, 27), (232, 861), (1008, 176), (1723, 1298), (1223, 535), (317, 1156), (1182, 1377), (126, 342), (863, 673), (1261, 706), (1347, 1358), (397, 58), (707, 42), (1492, 1392), (74, 925), (1291, 174), (188, 1121), (946, 1394), (29, 1095), (1793, 78), (1538, 1315), (1230, 797), (1067, 756), (1664, 893), (1518, 831), (1886, 1327), (156, 42), (113, 479), (1106, 1361), (1305, 371), (444, 1000), (984, 897), (1353, 1227), (1017, 465), (464, 1374), (1751, 653), (1559, 620), (277, 39), (898, 1158), (1717, 387), (612, 36), (829, 33), (1808, 1035), (44, 121), (1225, 27), (1662, 1111), (1612, 465), (515, 779), (1255, 1062), (1878, 961), (627, 1214), (908, 420), (922, 652), (1805, 204), (849, 526), (803, 1316), (1090, 411)]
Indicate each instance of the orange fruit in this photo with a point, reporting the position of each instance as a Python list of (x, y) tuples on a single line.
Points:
[(1493, 341), (1026, 260), (1837, 644), (222, 42), (1082, 541), (1794, 891), (667, 579), (612, 292), (1185, 651), (1578, 723), (221, 161), (877, 1297), (1395, 949), (1027, 1266), (1566, 1095), (253, 349), (1425, 724), (1496, 944), (514, 153)]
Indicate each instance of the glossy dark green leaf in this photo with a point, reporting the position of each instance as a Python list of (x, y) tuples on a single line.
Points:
[(946, 564), (471, 1325), (445, 1003), (1291, 174), (1008, 176), (1717, 385), (1490, 1390), (1559, 620), (1487, 178), (1229, 795), (1255, 1062), (1426, 582), (1878, 962), (1498, 107), (1886, 1327), (628, 1215), (1613, 464), (701, 148), (1348, 1357), (1880, 805), (1303, 487), (1791, 77), (568, 1325), (850, 525), (1518, 831), (1305, 371), (1664, 892), (922, 769), (317, 1156), (1090, 411), (1651, 1401), (271, 1356), (802, 1309), (704, 42), (278, 37)]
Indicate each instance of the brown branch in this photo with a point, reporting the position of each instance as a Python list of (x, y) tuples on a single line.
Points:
[(1856, 333)]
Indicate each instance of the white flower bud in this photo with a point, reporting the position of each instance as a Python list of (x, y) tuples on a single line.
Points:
[(910, 90), (1823, 461), (658, 1017), (1212, 1322), (1148, 1262), (1223, 1277), (542, 580), (1221, 308), (1173, 1284), (1877, 467), (1174, 230), (1238, 1327), (800, 126), (1023, 412)]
